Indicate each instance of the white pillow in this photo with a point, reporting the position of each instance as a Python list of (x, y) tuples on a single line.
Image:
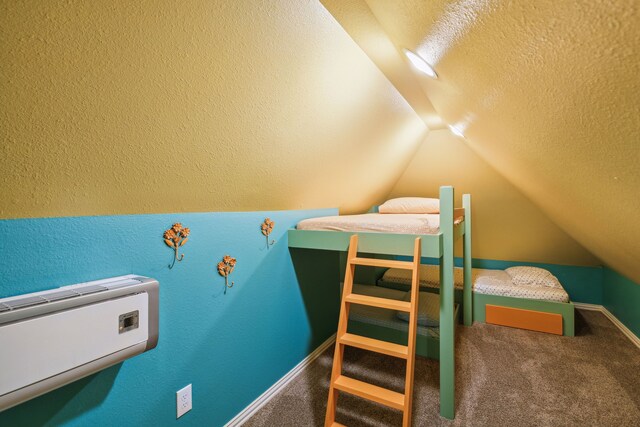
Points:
[(428, 309), (410, 205), (532, 276)]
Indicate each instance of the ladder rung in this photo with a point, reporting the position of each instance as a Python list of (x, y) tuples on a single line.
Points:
[(390, 304), (369, 391), (365, 343), (389, 263)]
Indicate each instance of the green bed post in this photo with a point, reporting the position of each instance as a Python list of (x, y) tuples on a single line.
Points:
[(447, 326), (467, 298)]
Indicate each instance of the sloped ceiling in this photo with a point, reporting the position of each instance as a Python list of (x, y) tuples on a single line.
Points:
[(506, 224), (113, 108), (363, 27), (548, 93)]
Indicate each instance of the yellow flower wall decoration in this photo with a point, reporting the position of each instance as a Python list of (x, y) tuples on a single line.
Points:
[(175, 237), (267, 228), (225, 268)]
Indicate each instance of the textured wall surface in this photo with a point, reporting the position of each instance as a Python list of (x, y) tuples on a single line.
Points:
[(621, 297), (146, 107), (549, 94), (506, 225), (230, 347)]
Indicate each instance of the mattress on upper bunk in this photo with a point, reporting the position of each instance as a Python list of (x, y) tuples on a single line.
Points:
[(377, 223), (427, 306), (484, 281)]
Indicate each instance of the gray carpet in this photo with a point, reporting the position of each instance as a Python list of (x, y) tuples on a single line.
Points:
[(505, 377)]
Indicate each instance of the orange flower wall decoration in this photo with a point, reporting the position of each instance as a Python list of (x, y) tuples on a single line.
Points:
[(267, 228), (175, 237), (225, 268)]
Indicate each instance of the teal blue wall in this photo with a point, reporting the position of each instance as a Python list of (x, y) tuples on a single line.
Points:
[(621, 297), (230, 347)]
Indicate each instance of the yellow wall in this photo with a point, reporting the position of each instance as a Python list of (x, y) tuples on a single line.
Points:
[(506, 224), (139, 107)]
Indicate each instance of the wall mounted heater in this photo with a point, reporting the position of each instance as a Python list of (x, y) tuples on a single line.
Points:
[(51, 338)]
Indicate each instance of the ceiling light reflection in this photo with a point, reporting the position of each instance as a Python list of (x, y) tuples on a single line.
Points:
[(420, 64), (456, 131)]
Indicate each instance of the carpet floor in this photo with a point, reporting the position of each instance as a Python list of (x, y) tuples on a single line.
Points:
[(504, 377)]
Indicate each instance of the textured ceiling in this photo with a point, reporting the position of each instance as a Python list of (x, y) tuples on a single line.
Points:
[(356, 18), (139, 107), (548, 93)]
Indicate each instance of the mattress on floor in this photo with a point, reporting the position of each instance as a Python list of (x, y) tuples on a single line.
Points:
[(383, 317), (484, 281), (377, 223), (498, 282)]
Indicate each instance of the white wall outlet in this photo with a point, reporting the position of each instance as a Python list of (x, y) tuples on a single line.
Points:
[(183, 401)]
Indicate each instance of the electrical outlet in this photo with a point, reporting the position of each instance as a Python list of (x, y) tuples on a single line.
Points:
[(183, 401)]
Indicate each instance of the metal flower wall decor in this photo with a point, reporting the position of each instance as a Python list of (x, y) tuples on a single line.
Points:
[(267, 228), (225, 268), (175, 237)]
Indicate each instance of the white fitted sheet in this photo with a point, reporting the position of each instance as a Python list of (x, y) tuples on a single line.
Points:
[(377, 223), (498, 282), (490, 282)]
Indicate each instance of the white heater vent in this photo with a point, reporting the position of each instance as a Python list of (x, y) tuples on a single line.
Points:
[(54, 337)]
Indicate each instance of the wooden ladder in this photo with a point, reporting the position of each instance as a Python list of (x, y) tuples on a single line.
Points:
[(364, 390)]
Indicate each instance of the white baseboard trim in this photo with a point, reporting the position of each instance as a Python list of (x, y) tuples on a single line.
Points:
[(594, 307), (265, 397), (585, 306), (634, 339)]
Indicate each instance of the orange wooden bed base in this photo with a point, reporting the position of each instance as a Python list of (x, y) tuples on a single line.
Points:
[(524, 319)]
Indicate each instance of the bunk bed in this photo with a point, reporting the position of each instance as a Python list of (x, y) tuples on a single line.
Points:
[(389, 325), (537, 302), (438, 243)]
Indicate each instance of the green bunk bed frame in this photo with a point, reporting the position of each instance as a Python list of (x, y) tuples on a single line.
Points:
[(438, 246)]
